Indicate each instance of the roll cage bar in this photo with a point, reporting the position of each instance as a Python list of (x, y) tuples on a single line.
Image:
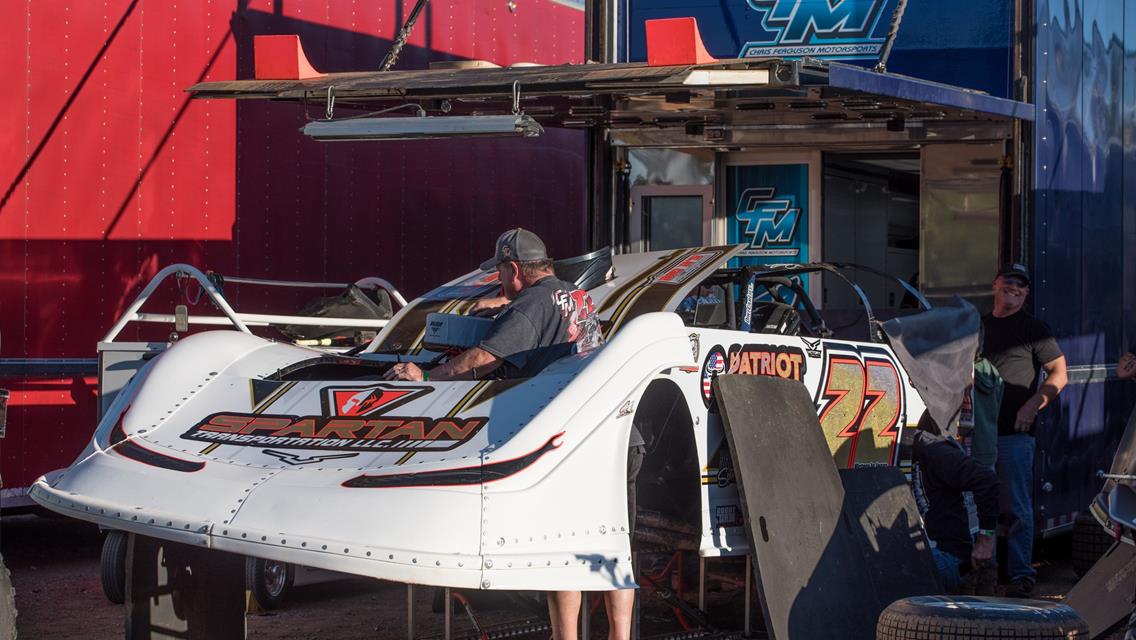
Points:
[(772, 277)]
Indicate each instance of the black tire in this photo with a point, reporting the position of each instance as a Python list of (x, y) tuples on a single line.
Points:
[(1090, 541), (112, 566), (8, 611), (972, 617), (269, 581)]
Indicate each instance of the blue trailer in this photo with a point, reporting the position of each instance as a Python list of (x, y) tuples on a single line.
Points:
[(1058, 195)]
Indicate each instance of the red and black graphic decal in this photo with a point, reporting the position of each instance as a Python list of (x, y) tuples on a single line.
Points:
[(130, 449), (683, 269), (480, 474), (365, 400), (861, 403), (652, 293), (333, 433)]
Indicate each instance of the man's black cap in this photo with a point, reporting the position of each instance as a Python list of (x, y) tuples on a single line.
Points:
[(1015, 270)]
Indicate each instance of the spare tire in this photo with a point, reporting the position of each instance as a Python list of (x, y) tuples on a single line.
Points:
[(1090, 541), (966, 617), (112, 566)]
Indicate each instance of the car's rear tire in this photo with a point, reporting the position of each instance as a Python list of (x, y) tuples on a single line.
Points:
[(8, 611), (1090, 541), (112, 566), (973, 617), (269, 581)]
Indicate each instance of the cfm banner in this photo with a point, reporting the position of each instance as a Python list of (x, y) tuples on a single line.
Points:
[(963, 42), (769, 212)]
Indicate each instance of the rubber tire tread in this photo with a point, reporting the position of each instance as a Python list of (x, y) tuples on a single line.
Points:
[(254, 582), (8, 613), (907, 619), (1090, 541), (112, 566)]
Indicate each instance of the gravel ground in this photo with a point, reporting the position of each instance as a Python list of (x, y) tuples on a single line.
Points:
[(54, 563)]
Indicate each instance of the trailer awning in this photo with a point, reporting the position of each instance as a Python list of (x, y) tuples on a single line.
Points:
[(750, 92)]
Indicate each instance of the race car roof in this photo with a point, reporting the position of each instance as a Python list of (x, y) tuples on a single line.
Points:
[(770, 91)]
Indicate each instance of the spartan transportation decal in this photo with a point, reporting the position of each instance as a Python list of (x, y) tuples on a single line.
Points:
[(833, 29), (861, 403), (354, 418)]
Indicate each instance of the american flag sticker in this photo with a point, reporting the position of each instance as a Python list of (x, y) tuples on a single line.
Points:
[(715, 364)]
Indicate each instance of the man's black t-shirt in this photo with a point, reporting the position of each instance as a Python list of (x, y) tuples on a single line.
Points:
[(1018, 346), (542, 324)]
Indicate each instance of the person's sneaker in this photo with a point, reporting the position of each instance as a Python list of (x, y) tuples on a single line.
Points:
[(1020, 588)]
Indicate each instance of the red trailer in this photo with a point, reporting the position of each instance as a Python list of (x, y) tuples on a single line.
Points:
[(112, 172)]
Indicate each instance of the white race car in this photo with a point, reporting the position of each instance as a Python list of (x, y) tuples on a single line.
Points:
[(288, 453)]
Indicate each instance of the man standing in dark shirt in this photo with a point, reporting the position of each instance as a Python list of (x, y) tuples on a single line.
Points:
[(1020, 346), (545, 319)]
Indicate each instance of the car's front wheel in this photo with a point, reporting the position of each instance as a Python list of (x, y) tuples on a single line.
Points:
[(269, 581), (112, 566)]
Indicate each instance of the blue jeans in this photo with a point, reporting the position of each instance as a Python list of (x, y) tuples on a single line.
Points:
[(949, 569), (1015, 475)]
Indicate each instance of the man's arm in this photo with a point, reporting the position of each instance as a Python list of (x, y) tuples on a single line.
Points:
[(1056, 377), (1126, 368), (470, 364)]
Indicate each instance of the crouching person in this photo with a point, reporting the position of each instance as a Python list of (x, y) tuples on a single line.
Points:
[(941, 473)]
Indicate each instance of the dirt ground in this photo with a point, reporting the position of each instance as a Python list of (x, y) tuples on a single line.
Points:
[(55, 573)]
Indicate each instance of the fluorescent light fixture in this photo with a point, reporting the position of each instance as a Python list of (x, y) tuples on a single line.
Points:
[(416, 128)]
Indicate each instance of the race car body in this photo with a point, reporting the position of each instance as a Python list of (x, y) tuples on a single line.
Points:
[(272, 450)]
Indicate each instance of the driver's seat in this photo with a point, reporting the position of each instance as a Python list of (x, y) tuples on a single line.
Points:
[(775, 317)]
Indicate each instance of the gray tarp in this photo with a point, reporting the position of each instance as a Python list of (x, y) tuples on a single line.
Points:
[(937, 349)]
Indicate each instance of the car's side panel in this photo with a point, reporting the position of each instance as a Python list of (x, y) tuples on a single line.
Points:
[(448, 483), (862, 396)]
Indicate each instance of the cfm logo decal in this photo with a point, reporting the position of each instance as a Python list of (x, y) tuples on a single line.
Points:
[(354, 418), (770, 223), (840, 29)]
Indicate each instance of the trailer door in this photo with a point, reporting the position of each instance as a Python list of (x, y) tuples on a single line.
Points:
[(961, 204)]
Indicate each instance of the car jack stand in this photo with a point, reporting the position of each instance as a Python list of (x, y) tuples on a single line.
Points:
[(409, 612), (747, 623), (183, 591)]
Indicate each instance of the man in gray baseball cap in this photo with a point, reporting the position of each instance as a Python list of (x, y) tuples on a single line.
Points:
[(543, 319), (516, 245)]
